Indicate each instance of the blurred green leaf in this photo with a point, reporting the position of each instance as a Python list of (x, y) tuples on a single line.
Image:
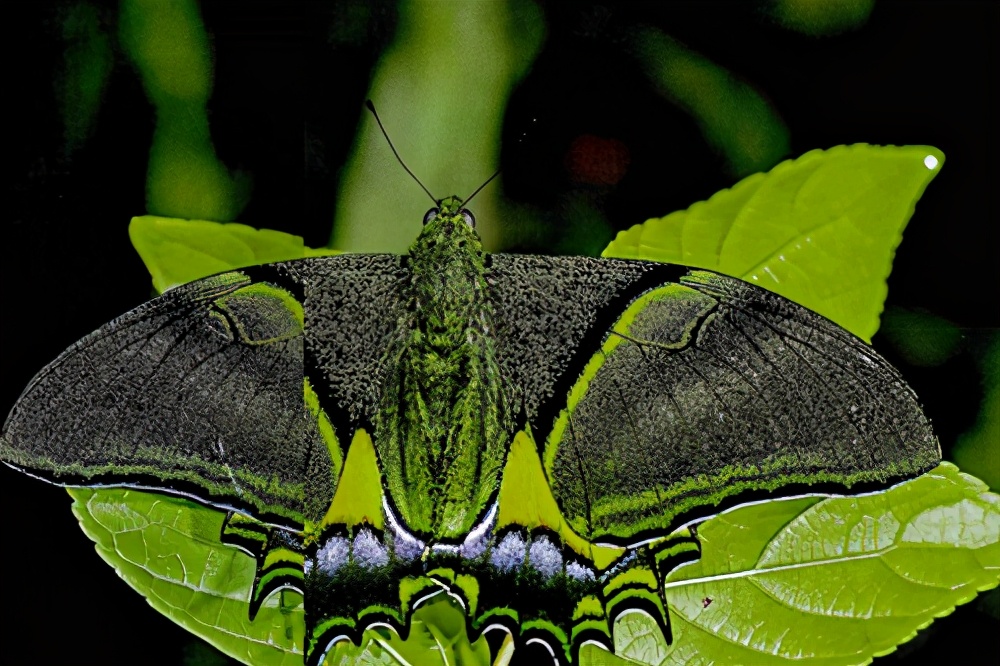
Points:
[(87, 64), (820, 230), (821, 17), (735, 119), (168, 44)]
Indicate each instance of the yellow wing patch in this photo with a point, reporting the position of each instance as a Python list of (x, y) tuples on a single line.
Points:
[(526, 500), (358, 499)]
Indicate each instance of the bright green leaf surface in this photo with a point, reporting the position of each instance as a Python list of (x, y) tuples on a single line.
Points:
[(820, 230), (168, 550), (825, 580), (179, 251)]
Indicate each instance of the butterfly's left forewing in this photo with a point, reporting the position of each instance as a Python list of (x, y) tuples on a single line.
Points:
[(242, 391), (198, 392)]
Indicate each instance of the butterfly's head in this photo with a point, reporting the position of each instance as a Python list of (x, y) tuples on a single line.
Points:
[(448, 224)]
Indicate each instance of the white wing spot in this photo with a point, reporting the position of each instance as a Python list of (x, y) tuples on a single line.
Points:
[(545, 557), (578, 571), (333, 555), (509, 553), (930, 162), (368, 552)]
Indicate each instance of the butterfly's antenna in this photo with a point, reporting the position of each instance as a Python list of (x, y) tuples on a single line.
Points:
[(480, 188), (371, 107)]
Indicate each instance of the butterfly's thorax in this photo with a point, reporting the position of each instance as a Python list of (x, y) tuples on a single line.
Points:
[(441, 427)]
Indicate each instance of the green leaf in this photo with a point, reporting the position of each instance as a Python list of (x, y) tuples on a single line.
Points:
[(815, 580), (168, 550), (820, 230), (179, 251)]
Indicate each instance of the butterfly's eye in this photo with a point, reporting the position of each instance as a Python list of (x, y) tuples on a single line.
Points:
[(431, 214), (469, 219)]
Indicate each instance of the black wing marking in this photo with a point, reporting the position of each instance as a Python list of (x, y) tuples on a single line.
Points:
[(551, 315), (352, 305)]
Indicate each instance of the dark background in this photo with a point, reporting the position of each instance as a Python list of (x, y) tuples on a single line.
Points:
[(916, 73)]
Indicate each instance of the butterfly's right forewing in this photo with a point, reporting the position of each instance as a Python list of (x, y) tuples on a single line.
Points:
[(694, 391)]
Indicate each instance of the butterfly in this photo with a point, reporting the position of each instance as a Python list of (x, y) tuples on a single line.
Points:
[(532, 437), (522, 433)]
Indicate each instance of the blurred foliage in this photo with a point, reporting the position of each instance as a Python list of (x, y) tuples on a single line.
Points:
[(87, 63), (167, 43), (821, 17), (735, 118), (449, 137), (925, 340), (921, 338), (455, 139), (978, 450)]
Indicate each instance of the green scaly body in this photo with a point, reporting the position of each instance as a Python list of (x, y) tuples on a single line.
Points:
[(441, 430)]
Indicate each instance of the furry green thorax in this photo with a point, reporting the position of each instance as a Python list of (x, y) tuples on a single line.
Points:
[(442, 431)]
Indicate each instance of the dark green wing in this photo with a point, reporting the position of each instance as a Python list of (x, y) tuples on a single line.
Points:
[(200, 391), (659, 392), (352, 305)]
